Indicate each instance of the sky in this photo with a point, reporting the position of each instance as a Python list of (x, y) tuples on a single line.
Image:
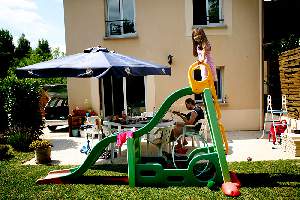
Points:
[(37, 19)]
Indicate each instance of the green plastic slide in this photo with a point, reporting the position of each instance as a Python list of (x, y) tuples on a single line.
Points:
[(59, 176), (162, 110)]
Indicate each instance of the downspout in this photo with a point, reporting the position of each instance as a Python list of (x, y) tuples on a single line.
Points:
[(261, 67)]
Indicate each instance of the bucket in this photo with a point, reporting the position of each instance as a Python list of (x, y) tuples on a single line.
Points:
[(75, 132), (43, 156)]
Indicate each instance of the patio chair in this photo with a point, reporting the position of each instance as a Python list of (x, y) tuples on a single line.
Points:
[(274, 117), (107, 130), (95, 127), (194, 131), (160, 137)]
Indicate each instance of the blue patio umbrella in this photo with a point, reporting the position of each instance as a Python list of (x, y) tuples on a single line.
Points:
[(93, 62)]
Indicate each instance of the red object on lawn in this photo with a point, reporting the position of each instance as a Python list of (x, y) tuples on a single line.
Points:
[(235, 180), (232, 188)]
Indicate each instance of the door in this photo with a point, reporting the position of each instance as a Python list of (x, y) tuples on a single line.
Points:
[(113, 99)]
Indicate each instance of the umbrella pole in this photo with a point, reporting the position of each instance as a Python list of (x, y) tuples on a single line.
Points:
[(125, 95), (112, 95), (102, 97)]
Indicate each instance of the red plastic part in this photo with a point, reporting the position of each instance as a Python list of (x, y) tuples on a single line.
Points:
[(230, 189), (234, 179), (54, 177)]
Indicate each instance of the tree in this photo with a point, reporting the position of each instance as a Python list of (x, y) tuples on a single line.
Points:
[(56, 53), (44, 50), (272, 51), (7, 50), (23, 48)]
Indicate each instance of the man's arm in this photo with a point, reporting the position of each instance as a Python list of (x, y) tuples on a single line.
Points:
[(192, 118), (187, 121)]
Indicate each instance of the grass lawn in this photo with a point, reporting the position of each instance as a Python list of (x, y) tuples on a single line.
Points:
[(260, 180)]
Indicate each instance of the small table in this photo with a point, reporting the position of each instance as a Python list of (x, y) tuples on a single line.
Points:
[(139, 124)]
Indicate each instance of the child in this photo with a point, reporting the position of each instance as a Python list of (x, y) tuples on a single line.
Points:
[(202, 49)]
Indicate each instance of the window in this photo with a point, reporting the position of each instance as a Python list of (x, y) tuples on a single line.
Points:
[(119, 95), (113, 95), (120, 17), (207, 12), (218, 85), (135, 95)]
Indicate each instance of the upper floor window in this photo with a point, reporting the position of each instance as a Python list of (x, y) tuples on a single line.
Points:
[(218, 84), (120, 17), (207, 12)]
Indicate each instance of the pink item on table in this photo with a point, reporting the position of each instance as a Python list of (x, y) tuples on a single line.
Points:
[(122, 137)]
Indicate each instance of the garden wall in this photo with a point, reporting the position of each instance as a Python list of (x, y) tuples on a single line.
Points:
[(289, 67)]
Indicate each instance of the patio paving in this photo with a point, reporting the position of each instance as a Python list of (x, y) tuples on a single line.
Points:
[(242, 144)]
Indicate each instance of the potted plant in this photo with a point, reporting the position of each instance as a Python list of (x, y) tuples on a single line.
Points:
[(42, 150)]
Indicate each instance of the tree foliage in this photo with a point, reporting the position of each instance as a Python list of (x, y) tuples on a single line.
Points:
[(56, 53), (272, 51), (20, 115), (44, 50), (23, 49), (7, 50)]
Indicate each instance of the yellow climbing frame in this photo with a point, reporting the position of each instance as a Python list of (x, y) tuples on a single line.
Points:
[(199, 86)]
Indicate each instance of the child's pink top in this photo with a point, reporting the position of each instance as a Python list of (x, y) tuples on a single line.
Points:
[(207, 59)]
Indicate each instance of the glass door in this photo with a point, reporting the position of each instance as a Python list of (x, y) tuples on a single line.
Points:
[(114, 101)]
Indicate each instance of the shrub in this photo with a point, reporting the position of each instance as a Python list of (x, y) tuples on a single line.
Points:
[(25, 110), (40, 144), (19, 103), (22, 103), (3, 113), (21, 138), (5, 152)]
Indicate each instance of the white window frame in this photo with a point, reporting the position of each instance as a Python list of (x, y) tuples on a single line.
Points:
[(124, 96), (222, 98), (216, 29), (221, 16), (107, 23)]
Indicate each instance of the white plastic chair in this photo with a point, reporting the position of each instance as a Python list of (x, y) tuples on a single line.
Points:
[(108, 130), (96, 127), (274, 116), (160, 137), (189, 130)]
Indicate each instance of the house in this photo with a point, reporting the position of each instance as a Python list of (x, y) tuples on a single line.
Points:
[(160, 30)]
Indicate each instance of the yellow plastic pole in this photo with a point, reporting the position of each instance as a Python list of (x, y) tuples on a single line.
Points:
[(199, 86)]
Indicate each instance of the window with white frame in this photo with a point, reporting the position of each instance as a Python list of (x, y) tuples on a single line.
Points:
[(218, 84), (120, 94), (120, 17), (207, 12)]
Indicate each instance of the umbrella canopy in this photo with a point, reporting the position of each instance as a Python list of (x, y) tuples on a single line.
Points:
[(93, 62)]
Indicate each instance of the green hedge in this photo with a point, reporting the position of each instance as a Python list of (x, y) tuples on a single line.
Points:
[(6, 152), (25, 110), (3, 113), (21, 106)]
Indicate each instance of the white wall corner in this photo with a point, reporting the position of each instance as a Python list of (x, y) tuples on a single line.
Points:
[(94, 94)]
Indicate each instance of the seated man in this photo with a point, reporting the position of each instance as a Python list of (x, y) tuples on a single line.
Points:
[(188, 119)]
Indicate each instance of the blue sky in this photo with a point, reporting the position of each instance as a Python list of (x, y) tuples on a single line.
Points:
[(37, 19)]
